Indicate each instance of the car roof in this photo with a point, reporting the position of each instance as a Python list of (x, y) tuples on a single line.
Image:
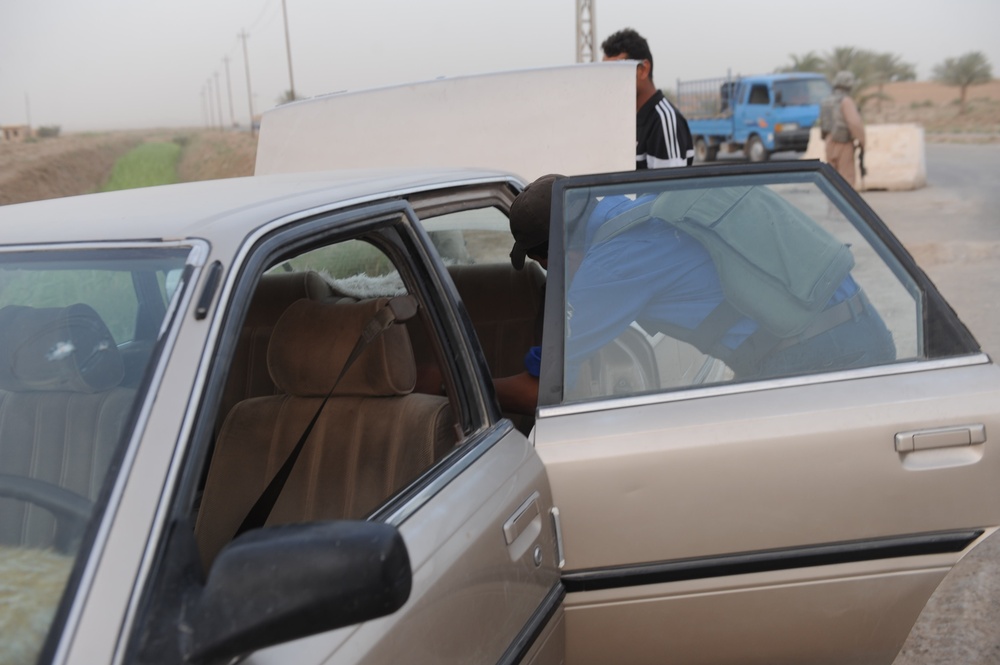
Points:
[(215, 208)]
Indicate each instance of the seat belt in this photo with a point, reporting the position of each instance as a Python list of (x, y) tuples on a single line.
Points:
[(400, 308)]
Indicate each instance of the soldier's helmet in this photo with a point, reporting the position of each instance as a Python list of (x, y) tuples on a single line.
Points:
[(844, 80)]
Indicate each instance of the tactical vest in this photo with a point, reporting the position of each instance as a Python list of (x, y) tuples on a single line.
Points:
[(831, 118), (776, 265)]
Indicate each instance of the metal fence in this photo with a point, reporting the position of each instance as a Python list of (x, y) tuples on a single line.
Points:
[(707, 98)]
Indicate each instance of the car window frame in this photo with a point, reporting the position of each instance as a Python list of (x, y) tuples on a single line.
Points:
[(948, 337), (398, 231), (81, 577)]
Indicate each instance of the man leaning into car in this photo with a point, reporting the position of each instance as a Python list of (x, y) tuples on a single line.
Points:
[(655, 274)]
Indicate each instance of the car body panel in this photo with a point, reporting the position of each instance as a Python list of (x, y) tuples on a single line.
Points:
[(747, 512), (465, 606), (570, 119)]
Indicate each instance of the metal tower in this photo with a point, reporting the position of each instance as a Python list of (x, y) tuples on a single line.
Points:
[(586, 49)]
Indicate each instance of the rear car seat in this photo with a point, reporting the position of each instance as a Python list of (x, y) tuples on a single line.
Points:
[(505, 306)]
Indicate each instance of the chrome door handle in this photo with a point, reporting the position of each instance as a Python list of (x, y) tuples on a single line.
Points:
[(525, 514), (940, 437)]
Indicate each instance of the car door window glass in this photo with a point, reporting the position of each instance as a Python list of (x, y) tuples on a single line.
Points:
[(386, 421), (699, 281), (758, 95)]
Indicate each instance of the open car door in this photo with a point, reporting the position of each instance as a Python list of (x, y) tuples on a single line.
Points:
[(795, 500)]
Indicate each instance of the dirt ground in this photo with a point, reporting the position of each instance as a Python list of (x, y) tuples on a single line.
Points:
[(81, 163), (935, 106)]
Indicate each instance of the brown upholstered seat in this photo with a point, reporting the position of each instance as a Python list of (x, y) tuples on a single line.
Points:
[(248, 375), (372, 437), (505, 306), (61, 410)]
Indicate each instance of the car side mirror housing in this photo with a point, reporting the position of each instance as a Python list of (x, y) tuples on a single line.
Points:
[(778, 98), (282, 583)]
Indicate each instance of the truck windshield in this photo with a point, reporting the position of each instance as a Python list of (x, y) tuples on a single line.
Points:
[(801, 92), (79, 330)]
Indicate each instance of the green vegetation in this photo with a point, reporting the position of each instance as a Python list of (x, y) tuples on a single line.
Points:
[(970, 69), (147, 165)]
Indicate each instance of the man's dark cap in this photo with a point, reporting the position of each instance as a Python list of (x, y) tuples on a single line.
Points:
[(529, 218)]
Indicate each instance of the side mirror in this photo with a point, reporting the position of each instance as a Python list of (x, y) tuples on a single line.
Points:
[(282, 583)]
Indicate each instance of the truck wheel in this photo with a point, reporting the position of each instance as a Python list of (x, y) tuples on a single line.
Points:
[(755, 150), (703, 152)]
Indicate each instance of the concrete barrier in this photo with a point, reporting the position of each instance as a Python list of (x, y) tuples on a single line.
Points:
[(894, 156)]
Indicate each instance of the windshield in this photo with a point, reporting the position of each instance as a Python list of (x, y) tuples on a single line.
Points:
[(802, 92), (78, 329)]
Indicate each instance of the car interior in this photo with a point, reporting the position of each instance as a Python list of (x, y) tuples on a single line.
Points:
[(391, 417)]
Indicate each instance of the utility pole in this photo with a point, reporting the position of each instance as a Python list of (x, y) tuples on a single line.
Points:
[(246, 63), (585, 29), (211, 104), (27, 111), (229, 90), (288, 49), (218, 99)]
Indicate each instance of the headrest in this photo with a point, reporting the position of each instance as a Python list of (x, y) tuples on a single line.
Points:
[(276, 291), (311, 343), (57, 349)]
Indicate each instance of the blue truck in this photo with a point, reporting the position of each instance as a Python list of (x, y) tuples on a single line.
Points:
[(759, 115)]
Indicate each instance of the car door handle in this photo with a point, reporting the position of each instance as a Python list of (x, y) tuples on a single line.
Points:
[(525, 514), (940, 437)]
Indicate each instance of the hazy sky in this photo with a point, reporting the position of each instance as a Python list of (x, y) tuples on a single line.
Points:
[(110, 64)]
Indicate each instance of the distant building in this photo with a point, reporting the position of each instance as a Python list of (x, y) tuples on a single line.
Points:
[(14, 132)]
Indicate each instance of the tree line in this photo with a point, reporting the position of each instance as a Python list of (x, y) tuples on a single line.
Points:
[(873, 70)]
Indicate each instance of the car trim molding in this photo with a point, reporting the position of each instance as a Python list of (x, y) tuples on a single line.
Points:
[(519, 648), (756, 386), (595, 579)]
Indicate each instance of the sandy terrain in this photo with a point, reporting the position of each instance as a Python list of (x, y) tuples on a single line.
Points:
[(936, 107), (80, 164)]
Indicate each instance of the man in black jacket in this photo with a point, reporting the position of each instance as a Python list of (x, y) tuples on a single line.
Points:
[(663, 139)]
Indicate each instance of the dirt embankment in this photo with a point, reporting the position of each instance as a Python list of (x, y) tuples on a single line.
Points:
[(56, 167), (81, 164), (213, 155), (936, 107)]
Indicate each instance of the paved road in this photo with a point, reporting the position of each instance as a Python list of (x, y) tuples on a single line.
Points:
[(952, 227)]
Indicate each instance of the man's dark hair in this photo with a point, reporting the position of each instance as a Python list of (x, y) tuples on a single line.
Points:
[(632, 44)]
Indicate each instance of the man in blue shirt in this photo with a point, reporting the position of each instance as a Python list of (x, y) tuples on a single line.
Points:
[(658, 276)]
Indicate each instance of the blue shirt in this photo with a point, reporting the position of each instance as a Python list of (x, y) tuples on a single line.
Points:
[(654, 272)]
